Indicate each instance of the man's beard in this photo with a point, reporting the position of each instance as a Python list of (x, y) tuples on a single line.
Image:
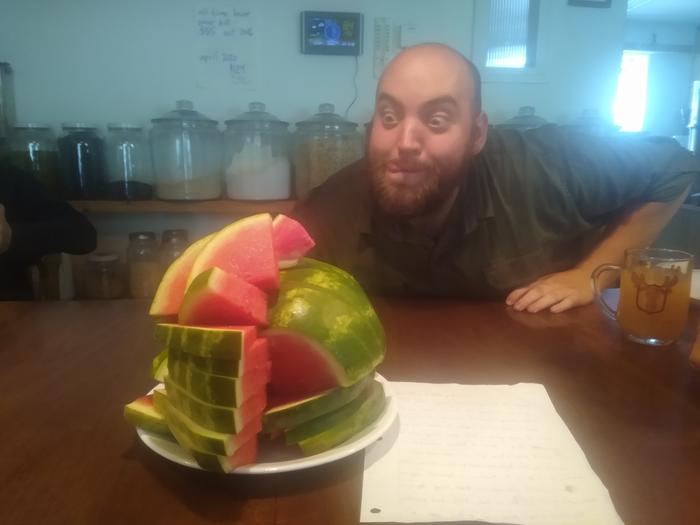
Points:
[(415, 200)]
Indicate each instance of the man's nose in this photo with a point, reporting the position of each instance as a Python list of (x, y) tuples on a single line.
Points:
[(409, 138)]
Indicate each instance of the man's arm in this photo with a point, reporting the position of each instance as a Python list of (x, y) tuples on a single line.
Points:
[(564, 290)]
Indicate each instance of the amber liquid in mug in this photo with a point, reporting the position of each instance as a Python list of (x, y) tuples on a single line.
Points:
[(654, 302)]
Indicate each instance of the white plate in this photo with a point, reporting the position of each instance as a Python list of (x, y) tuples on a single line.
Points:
[(275, 458), (695, 286)]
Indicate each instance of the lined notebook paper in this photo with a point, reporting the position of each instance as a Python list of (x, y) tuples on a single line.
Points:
[(494, 453)]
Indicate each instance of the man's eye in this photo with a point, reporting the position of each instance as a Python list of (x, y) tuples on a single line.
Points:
[(438, 122), (389, 119)]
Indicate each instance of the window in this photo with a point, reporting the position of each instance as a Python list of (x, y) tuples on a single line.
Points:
[(629, 108), (512, 34)]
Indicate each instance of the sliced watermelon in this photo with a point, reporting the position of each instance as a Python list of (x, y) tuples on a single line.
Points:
[(219, 298), (159, 366), (244, 248), (293, 414), (216, 389), (168, 298), (245, 455), (291, 240), (142, 413), (220, 342), (216, 417), (329, 430), (196, 437), (256, 356)]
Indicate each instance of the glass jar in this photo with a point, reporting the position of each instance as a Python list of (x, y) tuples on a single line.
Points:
[(143, 263), (173, 243), (325, 143), (103, 276), (524, 120), (256, 156), (186, 150), (32, 147), (128, 163), (81, 154)]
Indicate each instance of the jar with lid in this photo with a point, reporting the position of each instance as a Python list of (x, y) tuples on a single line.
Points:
[(325, 143), (143, 264), (81, 153), (186, 151), (128, 160), (173, 243), (32, 147), (524, 120), (103, 276), (256, 156)]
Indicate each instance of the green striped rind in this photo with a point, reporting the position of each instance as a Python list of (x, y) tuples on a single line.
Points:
[(365, 415), (338, 282), (215, 389), (159, 366), (189, 434), (334, 324), (223, 367), (219, 343), (146, 416), (294, 414), (214, 417)]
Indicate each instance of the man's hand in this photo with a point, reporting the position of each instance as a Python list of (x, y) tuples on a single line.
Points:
[(557, 292), (5, 231)]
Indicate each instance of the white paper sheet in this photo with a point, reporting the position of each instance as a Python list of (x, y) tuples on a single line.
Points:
[(494, 453)]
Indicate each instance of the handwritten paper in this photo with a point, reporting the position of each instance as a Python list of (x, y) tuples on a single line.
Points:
[(226, 40), (489, 453)]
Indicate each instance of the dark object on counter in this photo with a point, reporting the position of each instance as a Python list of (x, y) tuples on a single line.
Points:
[(40, 225), (81, 154)]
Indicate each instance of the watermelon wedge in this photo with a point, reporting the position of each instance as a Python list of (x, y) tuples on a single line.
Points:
[(168, 298), (142, 413), (254, 357), (223, 342), (219, 298), (244, 248), (245, 455), (291, 240)]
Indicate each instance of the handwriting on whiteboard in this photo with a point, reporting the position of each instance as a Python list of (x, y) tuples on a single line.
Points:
[(226, 43)]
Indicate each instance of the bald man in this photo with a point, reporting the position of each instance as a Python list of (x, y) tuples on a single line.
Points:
[(443, 205)]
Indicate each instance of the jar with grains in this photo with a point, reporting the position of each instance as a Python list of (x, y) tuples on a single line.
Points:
[(103, 276), (325, 143), (81, 151), (173, 243), (144, 265)]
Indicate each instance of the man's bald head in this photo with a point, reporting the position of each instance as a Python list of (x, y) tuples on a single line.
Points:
[(439, 56)]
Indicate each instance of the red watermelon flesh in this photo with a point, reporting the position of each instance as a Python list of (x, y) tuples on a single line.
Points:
[(291, 240), (244, 248), (219, 298), (300, 368), (245, 455), (171, 290)]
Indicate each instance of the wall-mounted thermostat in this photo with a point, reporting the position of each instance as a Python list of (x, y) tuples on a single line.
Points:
[(330, 33)]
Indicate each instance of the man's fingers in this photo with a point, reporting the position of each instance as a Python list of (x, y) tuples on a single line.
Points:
[(530, 296), (565, 304), (515, 295), (544, 302)]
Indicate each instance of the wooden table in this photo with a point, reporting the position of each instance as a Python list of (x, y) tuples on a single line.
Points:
[(67, 456)]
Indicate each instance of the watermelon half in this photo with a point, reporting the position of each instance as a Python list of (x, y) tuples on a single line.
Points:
[(244, 248), (291, 240)]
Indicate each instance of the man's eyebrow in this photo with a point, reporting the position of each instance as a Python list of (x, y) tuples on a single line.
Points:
[(385, 97), (444, 100)]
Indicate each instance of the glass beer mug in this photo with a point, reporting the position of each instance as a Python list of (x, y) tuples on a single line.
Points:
[(654, 294)]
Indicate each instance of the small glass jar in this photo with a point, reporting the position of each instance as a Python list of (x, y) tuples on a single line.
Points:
[(32, 147), (325, 143), (81, 153), (103, 276), (173, 243), (144, 267), (128, 163)]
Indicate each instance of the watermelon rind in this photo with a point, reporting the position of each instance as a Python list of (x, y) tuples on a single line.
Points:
[(293, 414), (344, 428), (254, 357), (217, 342), (159, 366), (142, 413)]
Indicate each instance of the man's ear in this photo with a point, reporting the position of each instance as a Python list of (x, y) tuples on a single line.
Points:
[(481, 129)]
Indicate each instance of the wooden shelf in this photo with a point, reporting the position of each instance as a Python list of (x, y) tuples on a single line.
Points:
[(221, 207)]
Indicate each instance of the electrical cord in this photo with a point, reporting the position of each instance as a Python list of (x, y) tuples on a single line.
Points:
[(354, 83)]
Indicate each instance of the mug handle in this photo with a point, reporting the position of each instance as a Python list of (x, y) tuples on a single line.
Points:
[(605, 307)]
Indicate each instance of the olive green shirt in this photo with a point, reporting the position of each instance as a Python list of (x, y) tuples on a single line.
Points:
[(530, 204)]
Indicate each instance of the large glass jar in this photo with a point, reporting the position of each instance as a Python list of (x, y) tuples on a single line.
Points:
[(103, 276), (128, 163), (144, 265), (32, 147), (186, 148), (524, 120), (173, 243), (325, 143), (256, 156), (81, 153)]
